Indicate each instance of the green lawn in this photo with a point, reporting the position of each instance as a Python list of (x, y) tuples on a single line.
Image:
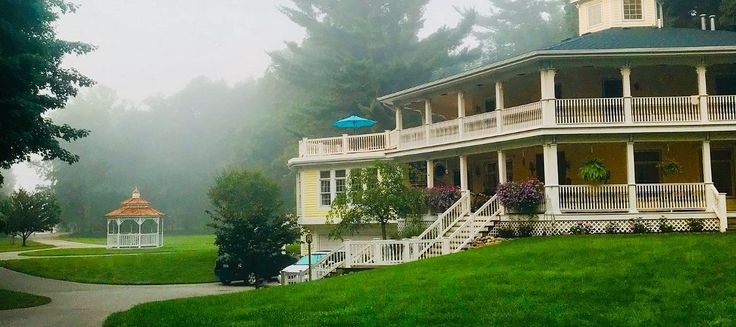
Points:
[(617, 280), (14, 300), (184, 259), (8, 244), (84, 239)]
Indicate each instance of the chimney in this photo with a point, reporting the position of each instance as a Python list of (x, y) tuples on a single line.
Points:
[(712, 22), (703, 24)]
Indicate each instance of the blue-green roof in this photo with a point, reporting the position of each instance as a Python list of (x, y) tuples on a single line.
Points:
[(648, 38)]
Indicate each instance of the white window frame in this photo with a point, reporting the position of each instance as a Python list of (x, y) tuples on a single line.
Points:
[(641, 11), (591, 6), (333, 186)]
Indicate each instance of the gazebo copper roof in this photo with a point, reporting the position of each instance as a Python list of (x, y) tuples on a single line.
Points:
[(136, 206)]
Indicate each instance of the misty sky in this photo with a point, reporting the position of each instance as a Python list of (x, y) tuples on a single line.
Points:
[(149, 47)]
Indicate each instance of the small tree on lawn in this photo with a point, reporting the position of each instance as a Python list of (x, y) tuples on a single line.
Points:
[(375, 195), (249, 221), (26, 213)]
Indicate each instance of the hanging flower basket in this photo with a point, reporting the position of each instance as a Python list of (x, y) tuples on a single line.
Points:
[(524, 198), (670, 167), (594, 171)]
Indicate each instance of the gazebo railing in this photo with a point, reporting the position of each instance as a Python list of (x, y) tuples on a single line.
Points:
[(133, 240)]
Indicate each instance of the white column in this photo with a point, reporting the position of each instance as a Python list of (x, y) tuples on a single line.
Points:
[(551, 178), (631, 176), (399, 119), (501, 167), (139, 221), (430, 174), (702, 92), (117, 221), (427, 118), (548, 96), (707, 168), (461, 112), (499, 106), (463, 173), (626, 80)]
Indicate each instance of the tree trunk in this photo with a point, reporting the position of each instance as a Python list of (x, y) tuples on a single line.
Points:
[(383, 230), (24, 237)]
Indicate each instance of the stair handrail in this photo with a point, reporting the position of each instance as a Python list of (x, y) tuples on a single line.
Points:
[(329, 263), (719, 207), (495, 210), (463, 203)]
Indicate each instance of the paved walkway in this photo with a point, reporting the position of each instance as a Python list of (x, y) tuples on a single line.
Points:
[(77, 304)]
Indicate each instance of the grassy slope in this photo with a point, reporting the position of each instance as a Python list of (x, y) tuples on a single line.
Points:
[(185, 259), (84, 239), (8, 244), (633, 280), (171, 244), (14, 300)]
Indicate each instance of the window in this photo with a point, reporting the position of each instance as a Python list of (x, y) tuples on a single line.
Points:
[(595, 16), (331, 183), (722, 167), (632, 9), (325, 188), (645, 166)]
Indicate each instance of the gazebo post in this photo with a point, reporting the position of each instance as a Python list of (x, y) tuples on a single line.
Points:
[(117, 242), (139, 221)]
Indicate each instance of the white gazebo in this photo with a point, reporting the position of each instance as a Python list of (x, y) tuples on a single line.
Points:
[(135, 224)]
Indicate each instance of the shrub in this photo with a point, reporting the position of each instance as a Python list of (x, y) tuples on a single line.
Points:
[(524, 197), (594, 171), (664, 226), (479, 200), (525, 229), (612, 228), (580, 228), (638, 226), (505, 232), (413, 226), (440, 198), (696, 225)]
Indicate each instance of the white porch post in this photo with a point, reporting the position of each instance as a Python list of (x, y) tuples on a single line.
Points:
[(430, 173), (548, 96), (463, 173), (140, 222), (117, 243), (707, 175), (702, 92), (427, 118), (460, 112), (631, 176), (626, 80), (551, 179), (499, 105), (502, 171), (399, 119)]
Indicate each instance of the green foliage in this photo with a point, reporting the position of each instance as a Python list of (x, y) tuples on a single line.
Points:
[(26, 213), (695, 225), (32, 81), (594, 171), (375, 195), (665, 226), (638, 226), (248, 218), (670, 167), (513, 27), (622, 280), (356, 51), (413, 226)]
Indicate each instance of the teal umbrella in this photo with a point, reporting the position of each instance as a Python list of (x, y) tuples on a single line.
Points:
[(354, 122)]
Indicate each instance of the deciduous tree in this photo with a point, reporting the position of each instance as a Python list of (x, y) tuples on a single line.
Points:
[(32, 81), (26, 213)]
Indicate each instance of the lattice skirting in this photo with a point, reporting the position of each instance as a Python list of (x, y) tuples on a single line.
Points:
[(560, 227)]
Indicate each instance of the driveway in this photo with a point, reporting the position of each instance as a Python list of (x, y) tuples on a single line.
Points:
[(78, 304)]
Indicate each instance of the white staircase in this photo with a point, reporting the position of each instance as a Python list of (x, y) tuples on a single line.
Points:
[(453, 230)]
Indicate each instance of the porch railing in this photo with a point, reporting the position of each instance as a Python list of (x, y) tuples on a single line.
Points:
[(564, 112), (680, 196), (665, 109), (600, 198), (591, 110)]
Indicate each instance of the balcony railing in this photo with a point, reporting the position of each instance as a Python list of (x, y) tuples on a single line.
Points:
[(559, 112)]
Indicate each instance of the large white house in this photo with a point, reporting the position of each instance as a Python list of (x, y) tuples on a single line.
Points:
[(626, 91)]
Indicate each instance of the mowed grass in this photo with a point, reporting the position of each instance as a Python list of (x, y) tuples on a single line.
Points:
[(83, 239), (184, 259), (9, 244), (617, 280), (15, 300)]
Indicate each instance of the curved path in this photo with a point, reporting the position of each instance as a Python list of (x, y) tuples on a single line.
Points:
[(78, 304)]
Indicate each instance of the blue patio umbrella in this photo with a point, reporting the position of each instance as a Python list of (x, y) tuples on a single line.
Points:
[(354, 122)]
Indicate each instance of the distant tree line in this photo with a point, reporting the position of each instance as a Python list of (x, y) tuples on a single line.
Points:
[(173, 147)]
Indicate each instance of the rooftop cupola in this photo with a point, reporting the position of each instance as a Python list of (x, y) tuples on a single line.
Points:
[(597, 15)]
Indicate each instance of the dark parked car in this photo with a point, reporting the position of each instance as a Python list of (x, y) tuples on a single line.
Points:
[(228, 268)]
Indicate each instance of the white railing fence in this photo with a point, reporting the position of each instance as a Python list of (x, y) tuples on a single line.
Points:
[(598, 198), (590, 110), (679, 196), (448, 218), (443, 132), (472, 226), (665, 109), (718, 201), (521, 117), (412, 137), (328, 263), (480, 125), (347, 144), (722, 107)]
